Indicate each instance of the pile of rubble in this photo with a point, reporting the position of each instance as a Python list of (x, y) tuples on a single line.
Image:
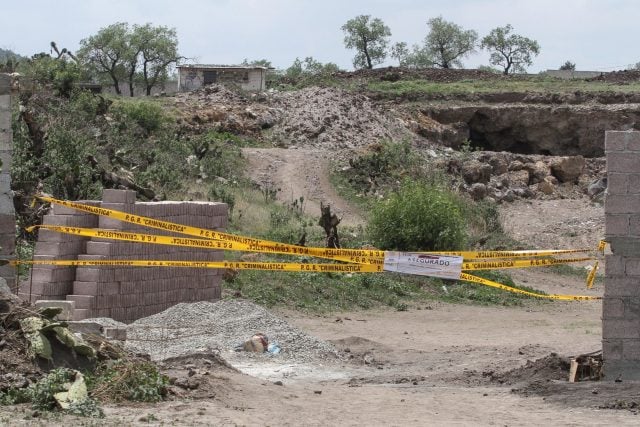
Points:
[(217, 108), (35, 340), (330, 118), (503, 176), (623, 76)]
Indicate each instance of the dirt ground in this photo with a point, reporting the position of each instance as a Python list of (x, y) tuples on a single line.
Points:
[(554, 224), (437, 364)]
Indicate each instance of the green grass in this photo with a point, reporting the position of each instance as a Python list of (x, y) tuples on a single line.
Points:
[(534, 84), (328, 292)]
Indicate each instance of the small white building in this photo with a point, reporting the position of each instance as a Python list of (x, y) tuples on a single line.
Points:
[(195, 76)]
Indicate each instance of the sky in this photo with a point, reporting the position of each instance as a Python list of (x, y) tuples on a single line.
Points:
[(595, 35)]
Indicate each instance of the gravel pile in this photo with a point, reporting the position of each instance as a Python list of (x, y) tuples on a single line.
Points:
[(189, 328), (105, 322), (330, 118)]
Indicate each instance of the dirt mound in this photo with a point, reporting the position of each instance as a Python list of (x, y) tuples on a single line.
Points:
[(212, 94), (623, 76), (330, 118), (219, 108), (354, 341), (432, 74), (548, 368)]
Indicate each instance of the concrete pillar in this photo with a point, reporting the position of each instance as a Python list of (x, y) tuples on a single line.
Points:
[(621, 304), (7, 212)]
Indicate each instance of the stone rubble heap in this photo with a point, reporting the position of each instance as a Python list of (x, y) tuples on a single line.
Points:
[(503, 176)]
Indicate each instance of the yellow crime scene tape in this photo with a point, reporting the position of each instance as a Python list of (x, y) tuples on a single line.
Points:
[(236, 265), (250, 244), (358, 260), (591, 277), (475, 279), (502, 264), (223, 245)]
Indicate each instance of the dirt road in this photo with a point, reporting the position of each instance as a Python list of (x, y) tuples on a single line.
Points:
[(300, 172)]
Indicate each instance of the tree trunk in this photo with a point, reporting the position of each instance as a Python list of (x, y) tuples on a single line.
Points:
[(506, 69), (113, 179), (366, 53), (36, 133), (329, 222), (116, 84), (145, 74), (131, 74)]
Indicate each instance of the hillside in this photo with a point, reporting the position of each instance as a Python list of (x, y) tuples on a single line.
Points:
[(450, 118)]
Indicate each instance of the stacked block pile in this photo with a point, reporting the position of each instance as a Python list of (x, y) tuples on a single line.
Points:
[(128, 293), (7, 213), (50, 282), (621, 305)]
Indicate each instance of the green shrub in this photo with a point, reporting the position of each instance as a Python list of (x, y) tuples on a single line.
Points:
[(218, 154), (383, 163), (418, 217), (41, 395), (148, 115), (58, 73), (60, 160), (136, 380), (221, 193)]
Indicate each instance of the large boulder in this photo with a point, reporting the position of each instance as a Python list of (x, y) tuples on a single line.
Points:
[(596, 189), (546, 187), (538, 171), (519, 178), (478, 191), (568, 169), (499, 164), (474, 171)]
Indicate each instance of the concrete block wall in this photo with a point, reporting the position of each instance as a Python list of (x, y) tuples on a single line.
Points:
[(621, 304), (7, 212), (51, 282), (128, 293)]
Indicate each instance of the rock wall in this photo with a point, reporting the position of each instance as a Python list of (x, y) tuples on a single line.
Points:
[(7, 213), (125, 293), (557, 130)]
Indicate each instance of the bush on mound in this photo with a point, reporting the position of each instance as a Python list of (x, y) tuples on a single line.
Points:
[(419, 217)]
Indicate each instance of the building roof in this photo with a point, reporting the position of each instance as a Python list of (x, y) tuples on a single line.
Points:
[(227, 67)]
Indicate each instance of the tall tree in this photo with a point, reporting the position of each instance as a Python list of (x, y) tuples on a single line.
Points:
[(512, 52), (310, 67), (121, 53), (108, 52), (369, 37), (568, 66), (447, 43), (400, 51), (258, 63), (158, 47)]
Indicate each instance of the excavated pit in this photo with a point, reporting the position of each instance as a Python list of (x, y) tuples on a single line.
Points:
[(557, 130)]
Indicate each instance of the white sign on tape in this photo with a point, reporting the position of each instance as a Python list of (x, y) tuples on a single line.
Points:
[(444, 266)]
